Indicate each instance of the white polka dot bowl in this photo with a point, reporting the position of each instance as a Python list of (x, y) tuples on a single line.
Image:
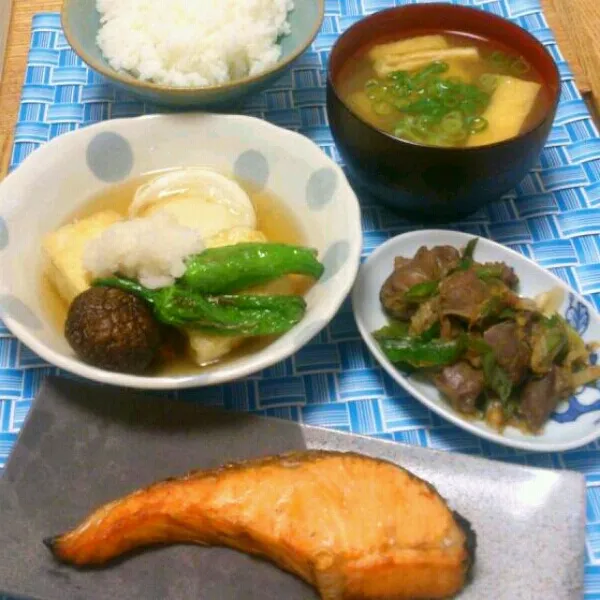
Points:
[(61, 176)]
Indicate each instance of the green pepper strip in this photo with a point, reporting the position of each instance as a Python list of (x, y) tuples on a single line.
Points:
[(494, 375), (417, 353), (221, 315), (509, 314), (241, 266), (393, 331), (398, 330), (421, 291), (432, 333), (489, 271), (466, 260)]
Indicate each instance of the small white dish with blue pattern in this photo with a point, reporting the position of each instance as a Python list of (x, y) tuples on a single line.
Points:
[(58, 178), (576, 421)]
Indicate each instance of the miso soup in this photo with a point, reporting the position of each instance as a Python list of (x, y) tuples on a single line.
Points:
[(447, 89)]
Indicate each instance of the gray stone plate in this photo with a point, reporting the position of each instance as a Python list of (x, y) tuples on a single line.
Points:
[(83, 445)]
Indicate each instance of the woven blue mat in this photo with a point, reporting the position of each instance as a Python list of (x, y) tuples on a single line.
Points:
[(552, 217)]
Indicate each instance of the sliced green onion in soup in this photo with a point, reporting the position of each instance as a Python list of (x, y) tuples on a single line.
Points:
[(433, 90), (469, 107), (438, 112), (382, 108), (422, 105), (424, 123), (398, 76), (419, 136), (477, 125), (499, 58), (439, 66), (457, 137), (400, 90), (469, 91), (430, 69), (404, 125), (442, 140), (488, 82), (450, 101), (401, 103), (377, 92), (442, 88), (520, 66), (452, 123)]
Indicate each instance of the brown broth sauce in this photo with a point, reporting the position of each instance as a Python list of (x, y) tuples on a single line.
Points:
[(274, 220), (356, 72)]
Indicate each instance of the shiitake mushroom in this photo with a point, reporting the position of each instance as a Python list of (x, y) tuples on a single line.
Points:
[(113, 330)]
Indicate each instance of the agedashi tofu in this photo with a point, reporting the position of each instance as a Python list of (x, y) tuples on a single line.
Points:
[(63, 250), (509, 107)]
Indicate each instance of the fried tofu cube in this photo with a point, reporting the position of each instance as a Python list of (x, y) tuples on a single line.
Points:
[(63, 252)]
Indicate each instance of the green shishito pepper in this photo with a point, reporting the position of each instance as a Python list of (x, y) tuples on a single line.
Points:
[(248, 315), (393, 330), (235, 268), (466, 259), (418, 353), (421, 291), (489, 271), (496, 378)]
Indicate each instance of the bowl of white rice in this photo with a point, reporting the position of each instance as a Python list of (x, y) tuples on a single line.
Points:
[(203, 53)]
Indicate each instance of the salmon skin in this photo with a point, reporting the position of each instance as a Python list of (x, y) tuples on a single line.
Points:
[(354, 527)]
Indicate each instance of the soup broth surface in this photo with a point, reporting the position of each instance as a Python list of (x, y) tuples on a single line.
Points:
[(470, 92), (273, 219)]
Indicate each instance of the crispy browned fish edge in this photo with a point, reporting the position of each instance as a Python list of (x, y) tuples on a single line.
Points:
[(306, 455)]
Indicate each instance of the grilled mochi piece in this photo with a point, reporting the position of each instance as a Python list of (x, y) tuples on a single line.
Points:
[(352, 526)]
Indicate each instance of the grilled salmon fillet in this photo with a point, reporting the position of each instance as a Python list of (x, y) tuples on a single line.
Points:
[(352, 526)]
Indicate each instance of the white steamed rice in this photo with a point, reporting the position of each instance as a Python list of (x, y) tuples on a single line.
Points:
[(188, 43), (151, 250)]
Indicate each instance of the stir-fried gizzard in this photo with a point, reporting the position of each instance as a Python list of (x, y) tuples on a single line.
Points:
[(490, 352)]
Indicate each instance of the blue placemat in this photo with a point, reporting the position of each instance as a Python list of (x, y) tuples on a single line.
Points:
[(552, 217)]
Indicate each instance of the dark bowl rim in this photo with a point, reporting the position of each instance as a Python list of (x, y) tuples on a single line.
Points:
[(449, 149), (148, 86)]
